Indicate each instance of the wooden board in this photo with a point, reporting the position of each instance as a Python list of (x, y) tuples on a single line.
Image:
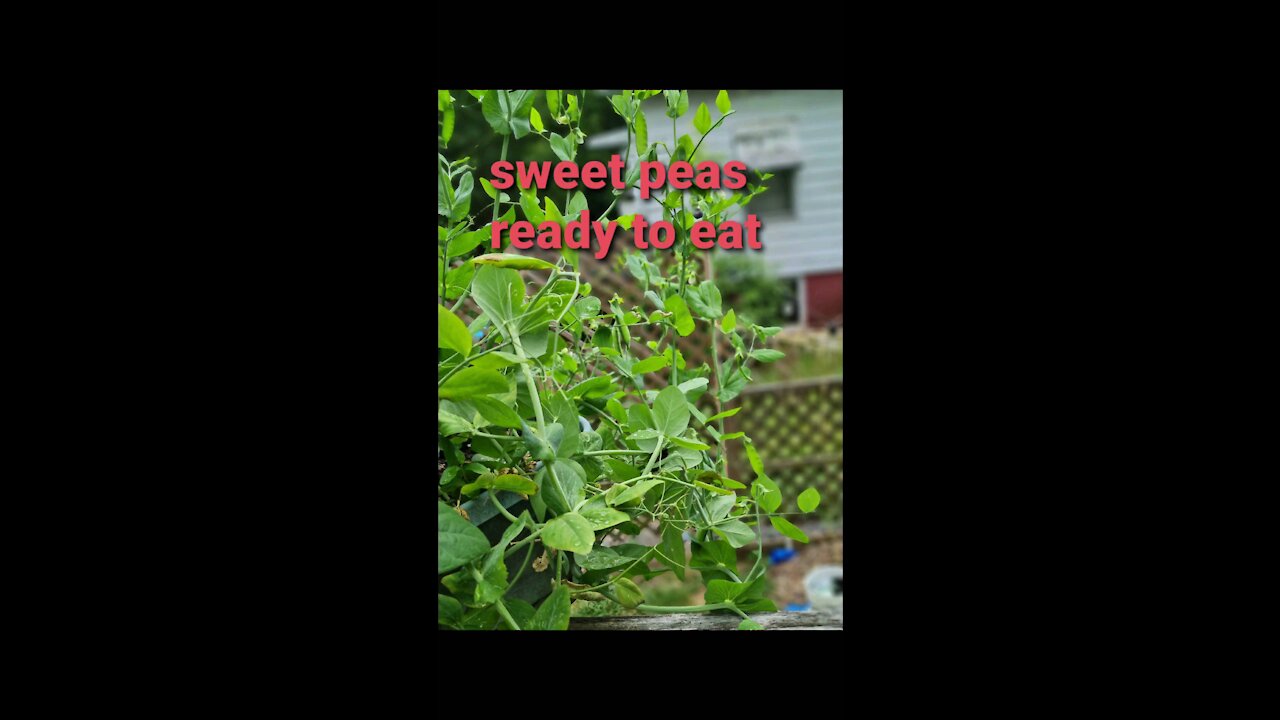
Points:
[(815, 620)]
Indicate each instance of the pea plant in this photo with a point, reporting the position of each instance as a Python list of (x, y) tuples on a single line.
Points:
[(541, 399)]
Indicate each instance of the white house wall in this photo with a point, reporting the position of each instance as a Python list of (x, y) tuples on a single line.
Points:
[(811, 240)]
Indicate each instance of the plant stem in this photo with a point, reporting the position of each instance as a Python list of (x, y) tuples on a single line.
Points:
[(494, 499), (502, 610), (654, 457), (527, 555), (522, 543), (463, 364), (615, 452), (721, 460)]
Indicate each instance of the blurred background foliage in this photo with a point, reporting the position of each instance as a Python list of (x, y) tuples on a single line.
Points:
[(747, 285)]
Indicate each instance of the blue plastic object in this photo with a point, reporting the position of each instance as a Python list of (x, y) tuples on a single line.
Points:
[(797, 607), (781, 555)]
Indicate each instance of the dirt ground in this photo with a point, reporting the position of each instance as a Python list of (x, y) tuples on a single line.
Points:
[(786, 581)]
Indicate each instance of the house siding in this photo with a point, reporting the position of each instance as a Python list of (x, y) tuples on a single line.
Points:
[(809, 240)]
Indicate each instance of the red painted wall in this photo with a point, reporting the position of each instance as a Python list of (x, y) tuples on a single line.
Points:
[(824, 298)]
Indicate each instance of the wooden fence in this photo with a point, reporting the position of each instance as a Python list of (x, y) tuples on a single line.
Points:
[(798, 429), (813, 620)]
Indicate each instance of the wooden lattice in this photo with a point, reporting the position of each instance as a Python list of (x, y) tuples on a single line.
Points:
[(798, 429)]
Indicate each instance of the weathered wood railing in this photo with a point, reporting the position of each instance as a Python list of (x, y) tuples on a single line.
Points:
[(812, 620)]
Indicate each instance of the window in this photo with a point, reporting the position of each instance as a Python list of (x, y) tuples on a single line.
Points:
[(779, 200)]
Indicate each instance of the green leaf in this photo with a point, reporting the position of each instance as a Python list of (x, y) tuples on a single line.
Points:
[(462, 198), (753, 457), (496, 412), (808, 500), (535, 119), (616, 410), (552, 212), (564, 495), (670, 412), (591, 388), (570, 532), (489, 189), (495, 555), (458, 278), (603, 558), (472, 382), (519, 610), (496, 360), (458, 542), (553, 614), (448, 610), (736, 532), (627, 494), (712, 488), (466, 242), (689, 386), (626, 220), (621, 472), (684, 321), (713, 553), (492, 585), (691, 445), (732, 436), (720, 590), (496, 106), (748, 623), (731, 384), (577, 203), (766, 491), (766, 355), (553, 101), (725, 414), (627, 592), (684, 147), (449, 117), (600, 515), (639, 416), (642, 134), (477, 94), (786, 528), (587, 307), (531, 207), (515, 483), (729, 322), (672, 549), (722, 101), (704, 299), (452, 333), (509, 260), (453, 424), (702, 119), (711, 294), (496, 290), (677, 102), (649, 364), (563, 147)]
